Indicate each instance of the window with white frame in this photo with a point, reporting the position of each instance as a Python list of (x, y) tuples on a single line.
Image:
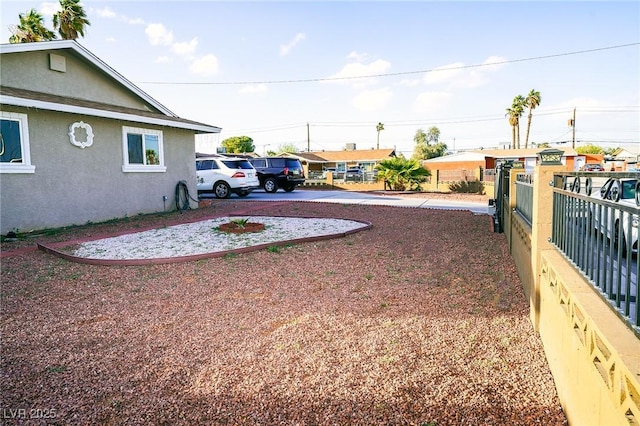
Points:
[(142, 150), (15, 155)]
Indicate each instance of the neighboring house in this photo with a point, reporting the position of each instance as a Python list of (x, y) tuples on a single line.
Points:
[(80, 143), (623, 159), (316, 161), (488, 159)]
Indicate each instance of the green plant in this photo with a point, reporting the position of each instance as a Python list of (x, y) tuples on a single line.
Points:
[(240, 222), (55, 369), (464, 187), (273, 249)]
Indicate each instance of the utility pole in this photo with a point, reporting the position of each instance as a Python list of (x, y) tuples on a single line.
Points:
[(308, 139), (572, 123), (379, 127)]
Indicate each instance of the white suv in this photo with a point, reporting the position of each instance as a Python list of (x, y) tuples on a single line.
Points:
[(225, 175)]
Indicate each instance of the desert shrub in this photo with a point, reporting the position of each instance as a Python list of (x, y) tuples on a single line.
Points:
[(464, 187)]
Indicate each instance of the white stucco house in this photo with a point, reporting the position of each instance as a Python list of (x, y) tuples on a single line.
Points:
[(80, 143)]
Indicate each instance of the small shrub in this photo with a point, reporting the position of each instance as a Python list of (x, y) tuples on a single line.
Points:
[(464, 187), (240, 223)]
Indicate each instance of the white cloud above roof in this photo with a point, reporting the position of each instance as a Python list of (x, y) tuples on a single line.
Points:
[(286, 48)]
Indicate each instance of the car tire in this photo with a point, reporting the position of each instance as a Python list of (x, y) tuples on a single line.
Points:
[(222, 189), (270, 185), (616, 240), (289, 188)]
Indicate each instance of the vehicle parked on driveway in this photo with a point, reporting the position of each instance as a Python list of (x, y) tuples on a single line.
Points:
[(593, 167), (610, 220), (329, 171), (278, 172), (354, 174), (225, 175)]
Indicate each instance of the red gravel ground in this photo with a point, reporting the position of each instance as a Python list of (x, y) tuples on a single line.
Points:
[(420, 320)]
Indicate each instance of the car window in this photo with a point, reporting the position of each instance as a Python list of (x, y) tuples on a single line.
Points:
[(277, 162), (628, 189), (293, 164), (206, 165), (259, 163), (237, 164)]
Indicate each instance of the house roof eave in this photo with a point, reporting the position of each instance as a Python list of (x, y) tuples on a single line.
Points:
[(87, 55), (132, 115)]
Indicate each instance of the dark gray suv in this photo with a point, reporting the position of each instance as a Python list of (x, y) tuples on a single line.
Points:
[(278, 172)]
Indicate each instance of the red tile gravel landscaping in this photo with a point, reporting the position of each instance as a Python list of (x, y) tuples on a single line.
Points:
[(420, 320)]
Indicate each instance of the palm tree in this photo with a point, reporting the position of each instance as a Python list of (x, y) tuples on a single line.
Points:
[(401, 173), (379, 127), (518, 109), (532, 101), (71, 20), (31, 29), (513, 122)]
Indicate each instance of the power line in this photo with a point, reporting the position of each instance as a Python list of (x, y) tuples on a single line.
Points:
[(312, 80)]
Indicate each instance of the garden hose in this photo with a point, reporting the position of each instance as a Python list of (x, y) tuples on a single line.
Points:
[(183, 197)]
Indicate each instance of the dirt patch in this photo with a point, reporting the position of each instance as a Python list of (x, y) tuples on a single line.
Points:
[(419, 320)]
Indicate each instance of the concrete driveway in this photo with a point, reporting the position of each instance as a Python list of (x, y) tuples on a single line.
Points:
[(347, 197)]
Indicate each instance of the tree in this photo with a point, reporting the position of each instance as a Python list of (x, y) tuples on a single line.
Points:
[(532, 101), (379, 128), (402, 174), (518, 109), (288, 147), (590, 149), (238, 144), (513, 121), (433, 135), (71, 20), (31, 29), (541, 145), (428, 145)]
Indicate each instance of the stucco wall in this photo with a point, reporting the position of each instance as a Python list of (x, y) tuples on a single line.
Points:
[(31, 71), (73, 186), (593, 355)]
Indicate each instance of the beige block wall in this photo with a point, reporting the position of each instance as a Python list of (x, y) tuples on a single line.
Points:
[(593, 355)]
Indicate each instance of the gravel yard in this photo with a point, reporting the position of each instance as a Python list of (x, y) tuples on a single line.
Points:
[(420, 320)]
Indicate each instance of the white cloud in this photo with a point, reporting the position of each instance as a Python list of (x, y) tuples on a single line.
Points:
[(253, 88), (164, 60), (582, 102), (444, 74), (498, 62), (206, 65), (158, 35), (185, 48), (357, 56), (371, 100), (49, 9), (134, 21), (357, 69), (286, 48), (409, 83), (105, 13), (428, 102), (461, 76)]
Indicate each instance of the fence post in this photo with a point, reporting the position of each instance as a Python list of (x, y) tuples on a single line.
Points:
[(541, 227), (510, 206)]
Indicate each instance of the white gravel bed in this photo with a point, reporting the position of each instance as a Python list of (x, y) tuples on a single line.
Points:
[(204, 237)]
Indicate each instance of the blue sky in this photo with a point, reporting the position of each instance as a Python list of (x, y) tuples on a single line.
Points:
[(265, 69)]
